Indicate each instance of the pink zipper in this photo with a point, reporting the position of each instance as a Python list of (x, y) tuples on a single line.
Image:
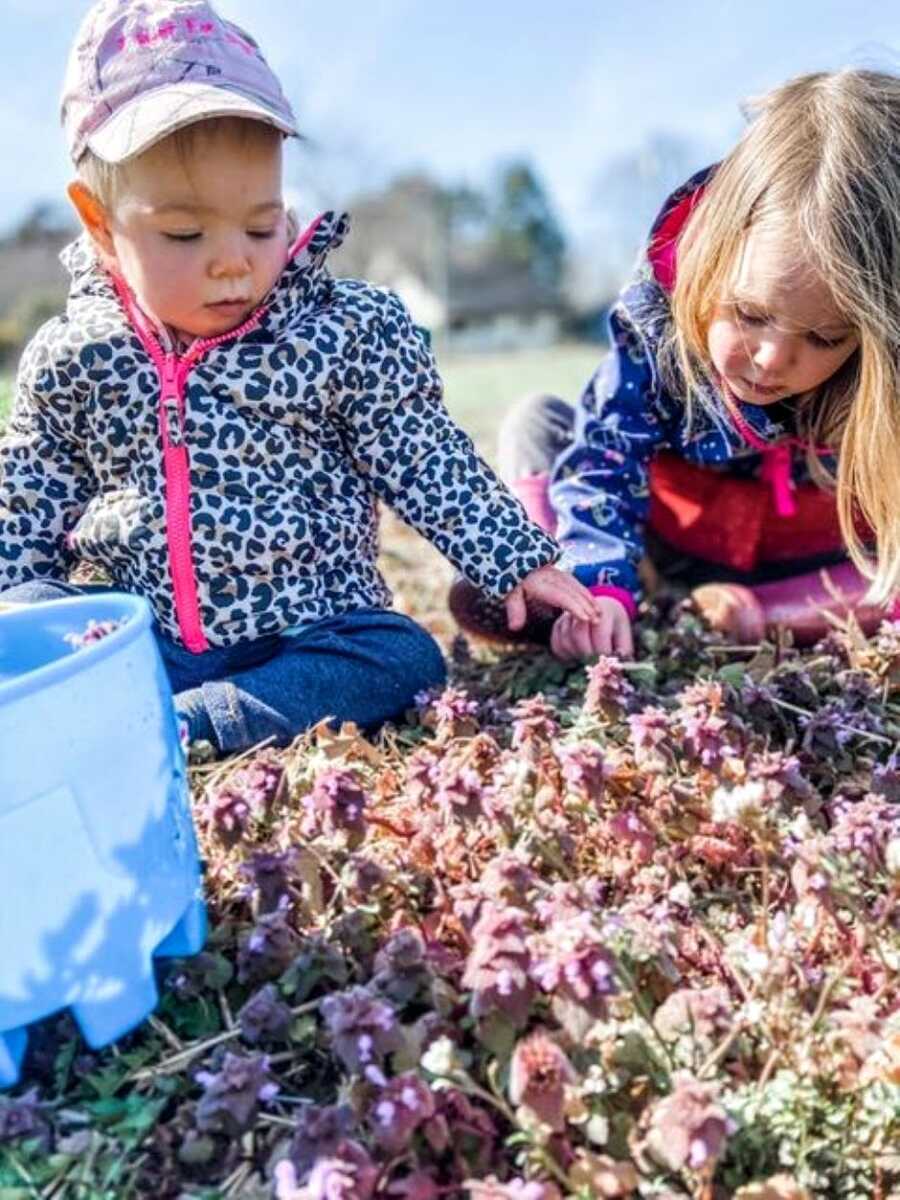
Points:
[(173, 372), (776, 456)]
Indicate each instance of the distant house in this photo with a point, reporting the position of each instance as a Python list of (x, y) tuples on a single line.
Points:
[(496, 305), (400, 239)]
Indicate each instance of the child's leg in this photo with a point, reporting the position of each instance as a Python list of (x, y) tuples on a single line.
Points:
[(364, 667), (532, 434), (800, 603), (35, 591)]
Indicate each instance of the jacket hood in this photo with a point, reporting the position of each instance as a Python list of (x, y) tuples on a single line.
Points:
[(647, 301), (298, 289)]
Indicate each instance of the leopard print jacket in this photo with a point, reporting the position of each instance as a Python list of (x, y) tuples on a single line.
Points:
[(235, 487)]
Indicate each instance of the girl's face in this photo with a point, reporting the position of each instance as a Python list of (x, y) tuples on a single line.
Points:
[(779, 333), (202, 242)]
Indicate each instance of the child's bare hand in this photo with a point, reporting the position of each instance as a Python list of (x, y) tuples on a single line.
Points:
[(553, 588), (608, 633)]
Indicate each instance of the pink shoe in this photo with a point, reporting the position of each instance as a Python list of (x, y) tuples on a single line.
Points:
[(799, 603)]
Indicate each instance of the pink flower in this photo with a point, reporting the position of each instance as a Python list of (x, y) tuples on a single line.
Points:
[(584, 767), (538, 1074), (318, 1133), (650, 737), (534, 721), (349, 1175), (401, 970), (609, 690), (569, 959), (460, 794), (497, 968), (628, 829), (269, 947), (689, 1127), (453, 713), (702, 1013)]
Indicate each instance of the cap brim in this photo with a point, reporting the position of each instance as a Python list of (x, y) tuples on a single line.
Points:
[(154, 115)]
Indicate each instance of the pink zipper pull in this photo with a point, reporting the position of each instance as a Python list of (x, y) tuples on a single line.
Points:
[(169, 378), (776, 471)]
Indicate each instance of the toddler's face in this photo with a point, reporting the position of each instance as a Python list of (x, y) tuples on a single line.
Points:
[(202, 240), (779, 333)]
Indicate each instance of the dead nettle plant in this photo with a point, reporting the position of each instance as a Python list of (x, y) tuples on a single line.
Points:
[(629, 930)]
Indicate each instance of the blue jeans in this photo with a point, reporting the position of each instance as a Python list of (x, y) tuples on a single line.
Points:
[(364, 666)]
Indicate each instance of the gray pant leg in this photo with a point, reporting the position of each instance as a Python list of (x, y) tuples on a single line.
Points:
[(532, 435)]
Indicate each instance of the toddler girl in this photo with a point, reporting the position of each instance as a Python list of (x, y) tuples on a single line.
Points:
[(214, 417), (744, 431)]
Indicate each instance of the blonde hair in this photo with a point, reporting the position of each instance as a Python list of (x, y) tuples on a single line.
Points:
[(821, 158), (106, 180)]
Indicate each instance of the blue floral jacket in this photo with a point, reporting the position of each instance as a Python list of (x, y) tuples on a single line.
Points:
[(626, 416)]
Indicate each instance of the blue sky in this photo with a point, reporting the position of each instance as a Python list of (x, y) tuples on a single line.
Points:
[(384, 85)]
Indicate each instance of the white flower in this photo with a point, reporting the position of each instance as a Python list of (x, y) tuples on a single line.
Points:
[(892, 856), (740, 803)]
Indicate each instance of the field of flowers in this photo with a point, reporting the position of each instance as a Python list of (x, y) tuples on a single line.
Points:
[(624, 931)]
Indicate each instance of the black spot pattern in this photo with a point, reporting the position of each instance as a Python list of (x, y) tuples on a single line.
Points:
[(293, 431)]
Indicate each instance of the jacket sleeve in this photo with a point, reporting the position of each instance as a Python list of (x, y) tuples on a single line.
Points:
[(44, 481), (600, 485), (402, 439)]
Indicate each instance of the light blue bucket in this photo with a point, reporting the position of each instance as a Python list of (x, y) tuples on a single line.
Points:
[(99, 871)]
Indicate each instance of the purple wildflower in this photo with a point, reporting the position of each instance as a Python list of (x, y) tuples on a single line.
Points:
[(650, 734), (268, 948), (318, 1133), (336, 804), (886, 779), (23, 1117), (401, 970), (460, 794), (232, 1094), (265, 1017), (863, 827), (349, 1174), (454, 713), (246, 796), (570, 960), (508, 878), (270, 875), (363, 1028), (584, 768), (703, 1013), (401, 1106)]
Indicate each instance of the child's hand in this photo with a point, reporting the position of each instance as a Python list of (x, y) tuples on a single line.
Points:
[(550, 587), (608, 633)]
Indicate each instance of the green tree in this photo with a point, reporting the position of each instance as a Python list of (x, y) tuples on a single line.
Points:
[(525, 228)]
